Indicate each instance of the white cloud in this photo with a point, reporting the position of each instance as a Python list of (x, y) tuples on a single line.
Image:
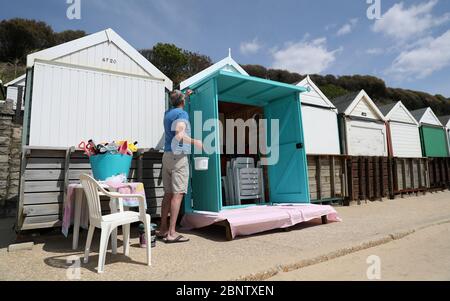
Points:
[(423, 60), (251, 47), (403, 23), (330, 26), (347, 28), (375, 51), (305, 57)]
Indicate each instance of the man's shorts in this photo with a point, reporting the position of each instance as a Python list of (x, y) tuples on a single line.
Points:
[(175, 173)]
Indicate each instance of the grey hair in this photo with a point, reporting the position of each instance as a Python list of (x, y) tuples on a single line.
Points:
[(176, 98)]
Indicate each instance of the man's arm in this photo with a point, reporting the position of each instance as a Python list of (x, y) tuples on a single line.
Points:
[(182, 136)]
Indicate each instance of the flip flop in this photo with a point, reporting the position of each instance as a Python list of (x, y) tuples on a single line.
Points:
[(179, 239), (159, 236)]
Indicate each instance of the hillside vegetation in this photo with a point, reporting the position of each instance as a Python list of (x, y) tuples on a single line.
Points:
[(334, 86)]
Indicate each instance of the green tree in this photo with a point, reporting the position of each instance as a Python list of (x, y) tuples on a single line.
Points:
[(169, 59), (68, 35), (19, 37), (333, 91), (176, 63), (195, 63)]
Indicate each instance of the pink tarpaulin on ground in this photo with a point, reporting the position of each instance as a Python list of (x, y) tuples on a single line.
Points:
[(256, 219)]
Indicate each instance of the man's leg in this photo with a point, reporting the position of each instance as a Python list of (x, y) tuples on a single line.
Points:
[(168, 195), (176, 201), (166, 205)]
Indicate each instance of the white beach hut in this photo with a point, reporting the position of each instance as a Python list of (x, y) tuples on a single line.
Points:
[(320, 121), (96, 87), (15, 88), (445, 120), (362, 126), (403, 131)]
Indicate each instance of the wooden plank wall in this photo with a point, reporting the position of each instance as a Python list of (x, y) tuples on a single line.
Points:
[(410, 175), (326, 178), (369, 178), (46, 173), (439, 173)]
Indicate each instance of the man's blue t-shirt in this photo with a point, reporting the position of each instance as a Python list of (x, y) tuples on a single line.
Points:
[(171, 118)]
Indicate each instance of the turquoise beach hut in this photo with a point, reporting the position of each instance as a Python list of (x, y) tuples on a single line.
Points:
[(226, 87)]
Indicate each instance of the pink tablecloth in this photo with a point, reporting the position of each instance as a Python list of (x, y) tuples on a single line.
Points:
[(256, 219), (69, 212)]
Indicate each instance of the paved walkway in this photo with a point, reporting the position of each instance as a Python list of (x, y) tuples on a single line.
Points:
[(421, 256), (209, 257)]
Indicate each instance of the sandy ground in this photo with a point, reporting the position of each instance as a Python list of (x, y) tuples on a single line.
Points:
[(209, 257), (421, 256)]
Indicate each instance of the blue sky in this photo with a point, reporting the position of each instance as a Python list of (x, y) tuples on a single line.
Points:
[(409, 47)]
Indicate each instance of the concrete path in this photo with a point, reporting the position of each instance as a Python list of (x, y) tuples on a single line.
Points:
[(421, 256), (209, 257)]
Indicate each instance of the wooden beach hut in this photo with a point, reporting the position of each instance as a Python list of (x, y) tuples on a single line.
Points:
[(320, 121), (403, 130), (362, 126), (97, 87), (225, 89), (445, 120), (432, 134), (15, 90)]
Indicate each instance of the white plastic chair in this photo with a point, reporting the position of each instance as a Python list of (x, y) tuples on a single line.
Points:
[(108, 223)]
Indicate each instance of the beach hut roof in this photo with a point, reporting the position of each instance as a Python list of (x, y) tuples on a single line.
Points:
[(314, 95), (347, 103), (228, 64), (16, 81), (445, 120), (426, 116), (103, 36), (389, 109)]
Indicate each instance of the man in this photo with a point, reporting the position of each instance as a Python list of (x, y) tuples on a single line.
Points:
[(175, 169)]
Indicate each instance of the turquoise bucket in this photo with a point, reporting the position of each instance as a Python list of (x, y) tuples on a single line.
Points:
[(106, 166)]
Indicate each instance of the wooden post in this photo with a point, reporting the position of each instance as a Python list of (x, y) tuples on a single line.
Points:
[(23, 167), (318, 178), (419, 172), (383, 163), (404, 175), (434, 181), (441, 172), (332, 177), (376, 182), (360, 179), (394, 176), (368, 183), (391, 170), (343, 176), (18, 112), (411, 172), (447, 171), (348, 162)]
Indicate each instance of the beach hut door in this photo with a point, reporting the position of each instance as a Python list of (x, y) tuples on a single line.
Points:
[(206, 190), (287, 171)]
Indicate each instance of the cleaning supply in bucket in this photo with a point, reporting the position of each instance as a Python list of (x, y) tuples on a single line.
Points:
[(109, 159), (201, 163)]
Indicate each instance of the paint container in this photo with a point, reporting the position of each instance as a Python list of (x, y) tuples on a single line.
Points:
[(201, 163)]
